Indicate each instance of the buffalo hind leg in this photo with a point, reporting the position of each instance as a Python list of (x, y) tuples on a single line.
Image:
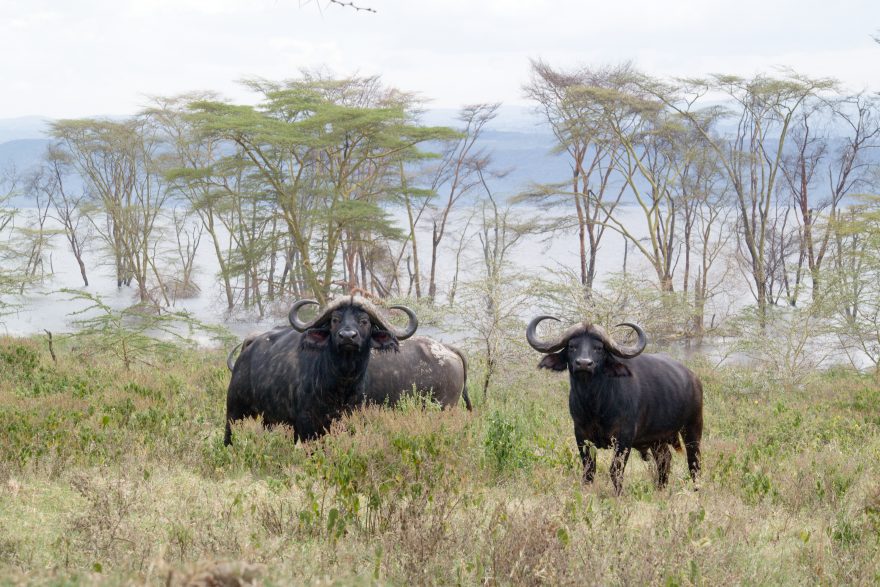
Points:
[(587, 459), (618, 464), (692, 436), (663, 461)]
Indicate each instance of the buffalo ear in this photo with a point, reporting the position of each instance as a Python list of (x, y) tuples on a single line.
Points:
[(556, 362), (617, 369), (382, 340), (315, 339)]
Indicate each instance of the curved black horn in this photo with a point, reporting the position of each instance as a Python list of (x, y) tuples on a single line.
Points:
[(383, 323), (628, 353), (297, 324), (411, 326), (229, 362), (540, 345)]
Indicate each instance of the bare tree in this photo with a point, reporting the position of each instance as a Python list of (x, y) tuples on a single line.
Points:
[(501, 292), (67, 204), (576, 125), (763, 109), (457, 175), (9, 274)]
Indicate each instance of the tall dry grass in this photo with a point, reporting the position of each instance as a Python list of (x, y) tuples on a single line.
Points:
[(110, 476)]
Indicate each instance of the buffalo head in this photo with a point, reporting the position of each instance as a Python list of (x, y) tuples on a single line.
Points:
[(350, 325), (584, 349)]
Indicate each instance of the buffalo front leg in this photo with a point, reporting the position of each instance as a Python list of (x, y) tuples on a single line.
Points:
[(618, 464), (587, 459), (235, 410), (663, 460)]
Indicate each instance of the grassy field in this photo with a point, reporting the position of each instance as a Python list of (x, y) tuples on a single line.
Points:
[(118, 477)]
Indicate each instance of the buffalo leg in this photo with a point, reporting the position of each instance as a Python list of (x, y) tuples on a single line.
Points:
[(618, 464), (227, 434), (586, 458), (692, 435), (234, 413), (663, 460)]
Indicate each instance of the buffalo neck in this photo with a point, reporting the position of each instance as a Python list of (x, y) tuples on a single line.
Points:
[(595, 392), (334, 377)]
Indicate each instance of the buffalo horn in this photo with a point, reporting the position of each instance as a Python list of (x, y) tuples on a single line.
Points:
[(407, 332), (411, 326), (540, 345), (627, 353), (229, 362), (297, 324)]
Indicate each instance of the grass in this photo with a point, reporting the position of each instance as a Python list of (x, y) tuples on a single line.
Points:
[(115, 476)]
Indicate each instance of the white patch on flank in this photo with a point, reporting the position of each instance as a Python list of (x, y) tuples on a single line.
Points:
[(442, 353)]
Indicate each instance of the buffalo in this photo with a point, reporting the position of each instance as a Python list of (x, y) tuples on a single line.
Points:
[(622, 399), (432, 369), (308, 376)]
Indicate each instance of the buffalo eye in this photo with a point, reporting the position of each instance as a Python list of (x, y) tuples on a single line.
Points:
[(365, 321)]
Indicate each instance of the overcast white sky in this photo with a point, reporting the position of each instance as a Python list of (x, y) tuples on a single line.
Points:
[(72, 58)]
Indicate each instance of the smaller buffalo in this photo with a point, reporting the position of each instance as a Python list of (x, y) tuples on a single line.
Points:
[(434, 370), (622, 399), (310, 375)]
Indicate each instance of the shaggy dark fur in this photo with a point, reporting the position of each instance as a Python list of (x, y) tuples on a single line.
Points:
[(309, 379)]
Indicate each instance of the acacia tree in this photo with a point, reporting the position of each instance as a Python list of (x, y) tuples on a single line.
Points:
[(33, 238), (102, 153), (854, 281), (850, 170), (576, 124), (9, 276), (492, 301), (195, 175), (142, 217), (123, 168), (23, 243), (320, 151), (704, 209), (652, 160)]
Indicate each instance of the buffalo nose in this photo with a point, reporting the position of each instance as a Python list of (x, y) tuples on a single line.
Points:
[(584, 363), (347, 334)]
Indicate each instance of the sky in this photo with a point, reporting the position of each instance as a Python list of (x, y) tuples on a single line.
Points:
[(76, 58)]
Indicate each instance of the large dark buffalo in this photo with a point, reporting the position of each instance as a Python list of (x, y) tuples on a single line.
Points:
[(622, 399), (309, 375), (423, 365)]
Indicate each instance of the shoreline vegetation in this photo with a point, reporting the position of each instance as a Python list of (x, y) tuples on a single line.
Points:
[(114, 475)]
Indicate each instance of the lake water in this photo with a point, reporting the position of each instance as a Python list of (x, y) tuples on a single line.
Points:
[(44, 306)]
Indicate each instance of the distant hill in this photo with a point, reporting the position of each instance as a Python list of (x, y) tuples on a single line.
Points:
[(26, 127), (22, 153)]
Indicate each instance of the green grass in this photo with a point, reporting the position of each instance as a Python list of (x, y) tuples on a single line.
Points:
[(119, 476)]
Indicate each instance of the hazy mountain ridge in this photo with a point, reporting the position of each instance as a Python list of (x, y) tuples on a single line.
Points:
[(521, 147), (518, 144), (24, 127)]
